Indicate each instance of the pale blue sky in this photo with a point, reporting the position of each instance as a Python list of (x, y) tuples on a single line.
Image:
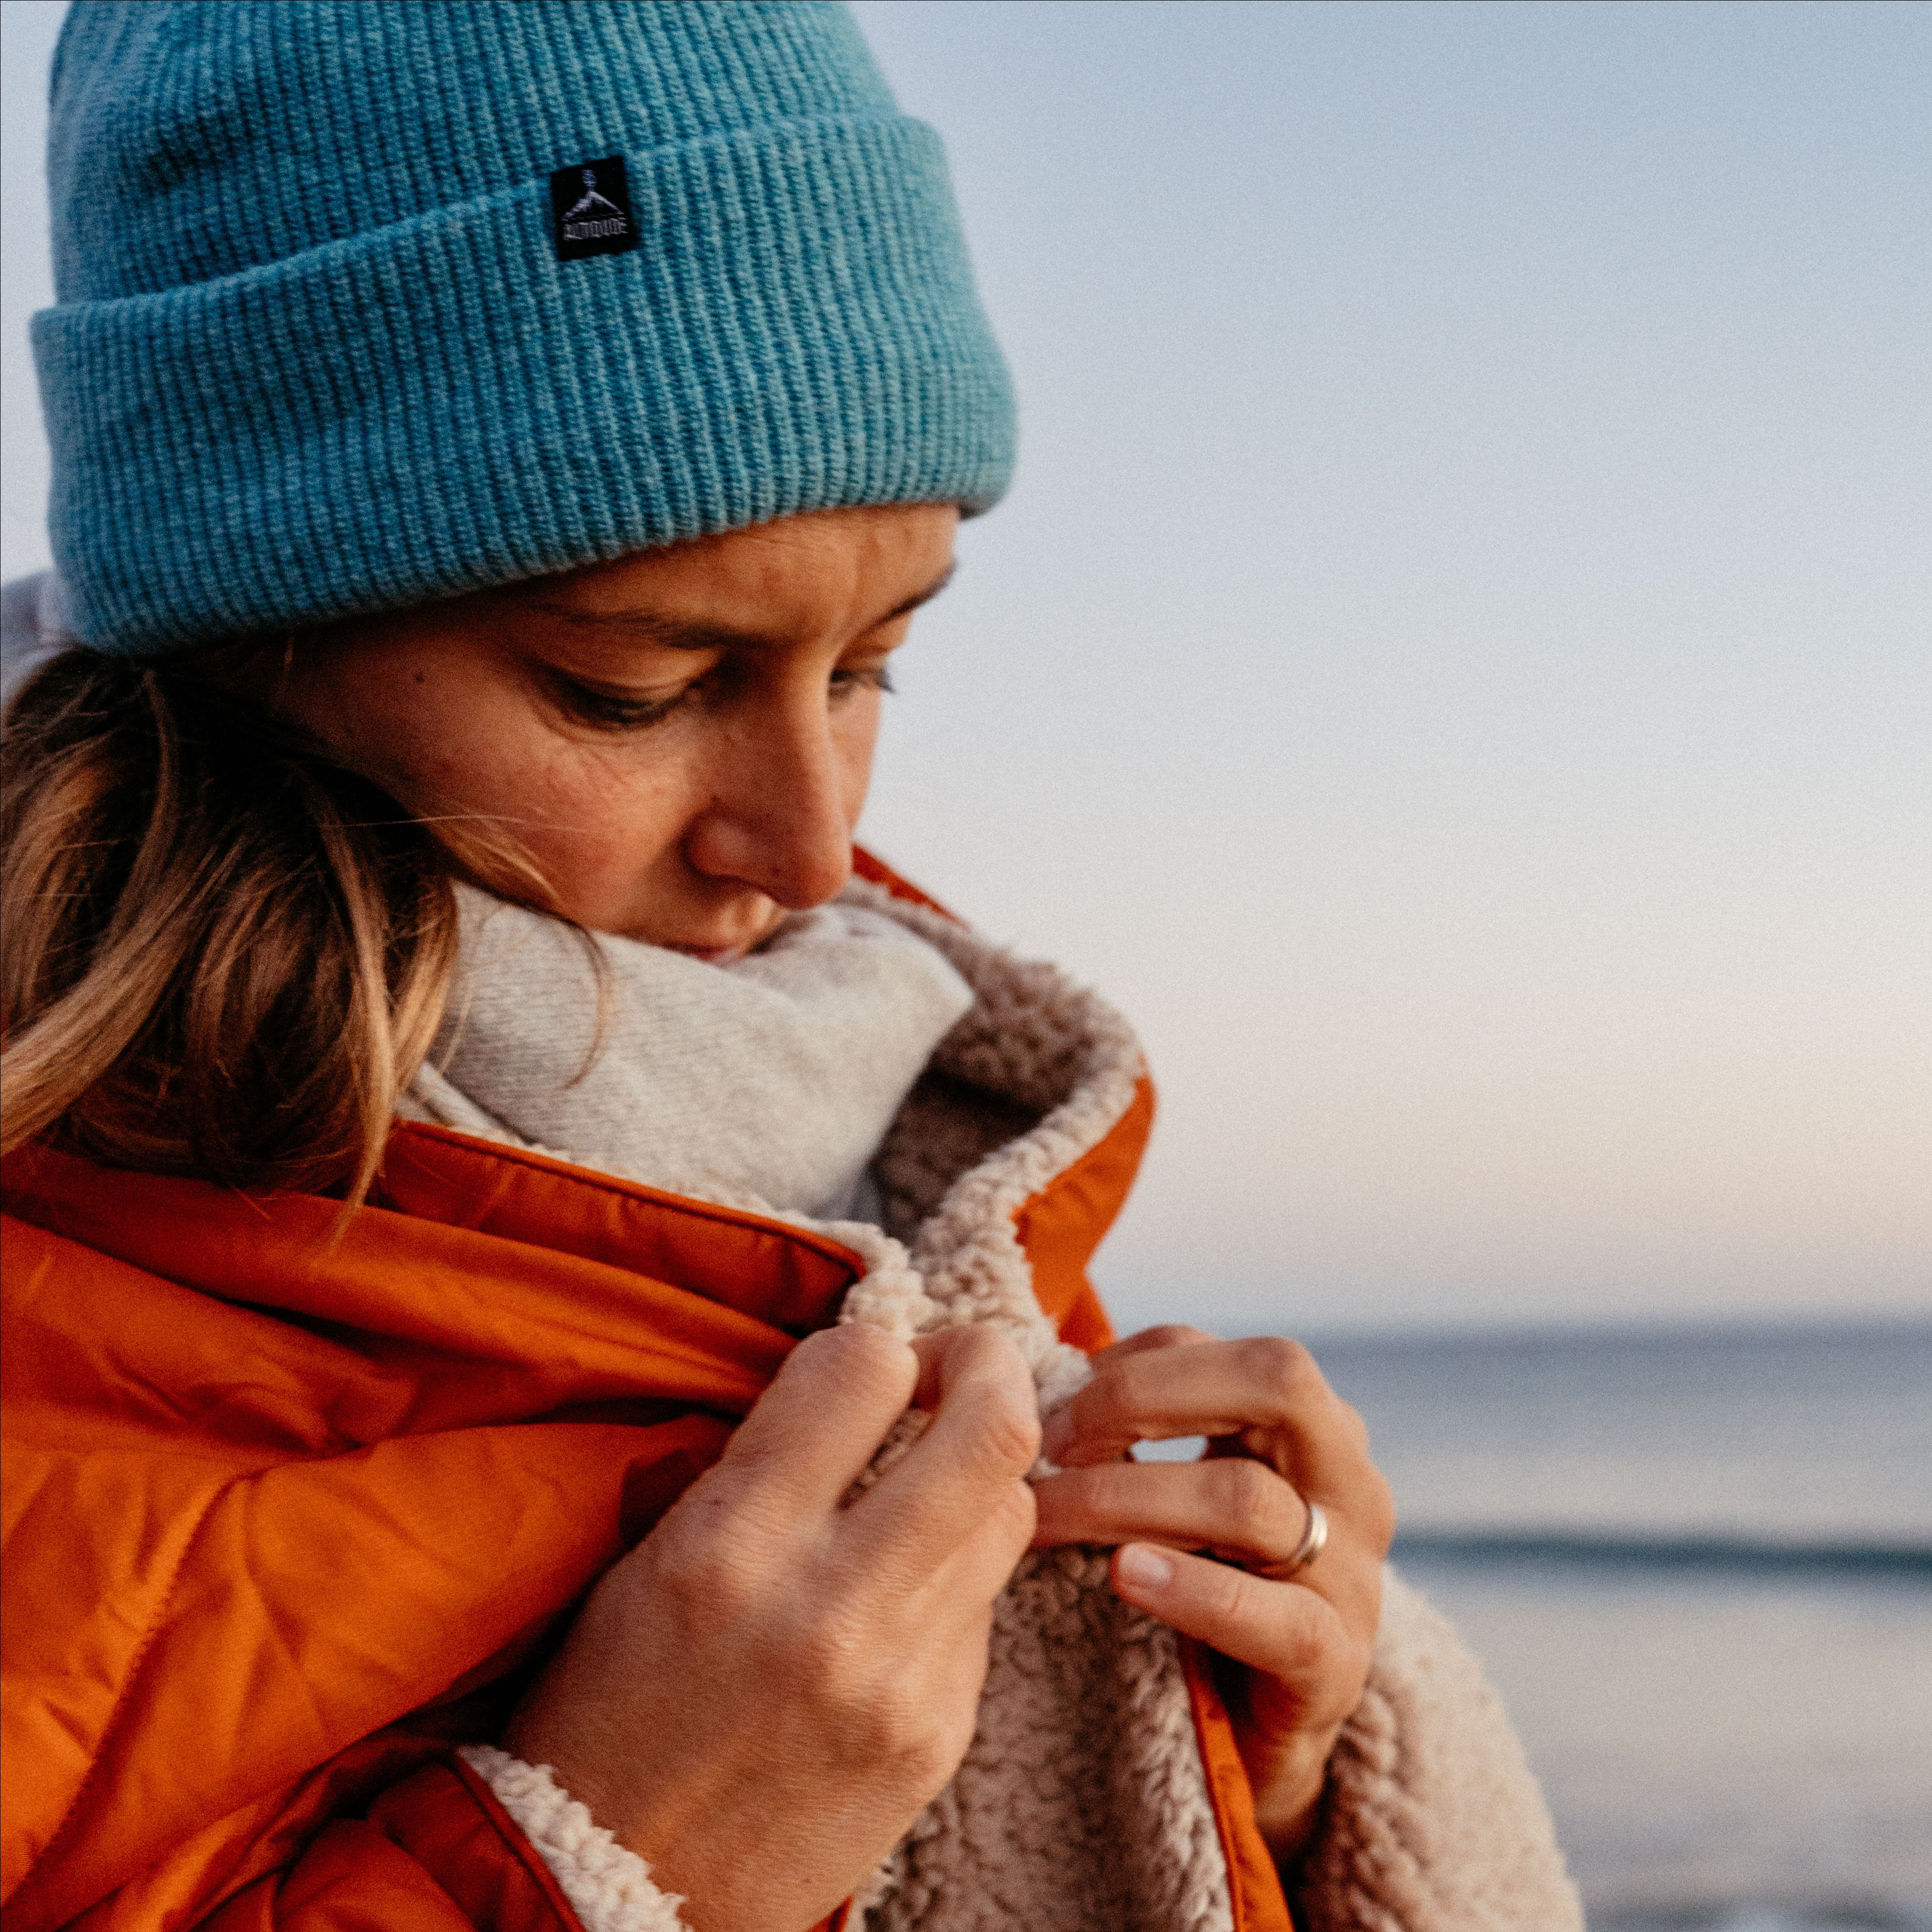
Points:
[(1453, 667)]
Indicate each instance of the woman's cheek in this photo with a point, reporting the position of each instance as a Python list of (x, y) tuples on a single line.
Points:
[(855, 737), (607, 831)]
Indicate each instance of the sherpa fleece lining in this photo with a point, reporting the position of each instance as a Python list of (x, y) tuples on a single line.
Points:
[(609, 1888)]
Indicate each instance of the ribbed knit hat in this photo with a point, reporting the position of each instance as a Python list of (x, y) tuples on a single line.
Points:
[(363, 304)]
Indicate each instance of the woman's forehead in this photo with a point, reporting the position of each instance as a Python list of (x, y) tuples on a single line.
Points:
[(873, 564)]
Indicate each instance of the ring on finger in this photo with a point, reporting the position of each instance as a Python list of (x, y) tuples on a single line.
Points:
[(1314, 1537)]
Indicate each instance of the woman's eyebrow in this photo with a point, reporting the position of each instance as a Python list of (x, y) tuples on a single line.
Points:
[(652, 627), (918, 598)]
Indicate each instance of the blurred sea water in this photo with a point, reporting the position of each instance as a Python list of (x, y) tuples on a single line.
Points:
[(1698, 1566)]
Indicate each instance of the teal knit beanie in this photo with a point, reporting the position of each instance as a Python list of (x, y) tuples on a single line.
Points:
[(363, 303)]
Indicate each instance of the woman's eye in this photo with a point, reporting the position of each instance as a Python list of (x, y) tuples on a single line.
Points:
[(873, 677), (611, 711), (608, 712)]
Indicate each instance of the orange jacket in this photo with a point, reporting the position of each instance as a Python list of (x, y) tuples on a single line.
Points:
[(286, 1522)]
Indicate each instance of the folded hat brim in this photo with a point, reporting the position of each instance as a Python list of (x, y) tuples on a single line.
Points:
[(441, 404)]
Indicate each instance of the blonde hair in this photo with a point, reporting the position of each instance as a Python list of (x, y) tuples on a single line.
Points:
[(222, 955)]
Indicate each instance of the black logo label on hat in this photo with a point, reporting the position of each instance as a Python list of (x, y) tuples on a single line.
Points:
[(591, 205)]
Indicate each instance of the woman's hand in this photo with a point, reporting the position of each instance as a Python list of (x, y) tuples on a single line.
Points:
[(1280, 1438), (763, 1695)]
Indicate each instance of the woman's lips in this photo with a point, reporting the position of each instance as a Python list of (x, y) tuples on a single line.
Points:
[(712, 955)]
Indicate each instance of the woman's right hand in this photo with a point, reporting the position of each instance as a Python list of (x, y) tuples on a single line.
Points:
[(761, 1696)]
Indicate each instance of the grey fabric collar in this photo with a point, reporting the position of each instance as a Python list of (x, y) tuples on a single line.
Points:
[(775, 1078)]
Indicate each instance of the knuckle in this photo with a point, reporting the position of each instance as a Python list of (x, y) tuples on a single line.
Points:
[(1005, 1433), (1016, 1514), (1378, 1513), (1173, 1335), (924, 1760), (1350, 1422), (1282, 1365), (1349, 1433), (884, 1717), (1247, 1492), (708, 1576), (831, 1668), (722, 1549)]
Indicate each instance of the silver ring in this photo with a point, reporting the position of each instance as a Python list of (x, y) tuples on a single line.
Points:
[(1313, 1539)]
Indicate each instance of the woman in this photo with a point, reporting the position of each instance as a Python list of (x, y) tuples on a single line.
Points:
[(535, 1291)]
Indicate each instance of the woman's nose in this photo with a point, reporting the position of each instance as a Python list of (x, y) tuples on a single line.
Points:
[(779, 817)]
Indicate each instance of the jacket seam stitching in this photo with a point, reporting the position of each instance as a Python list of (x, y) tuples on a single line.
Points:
[(137, 1663)]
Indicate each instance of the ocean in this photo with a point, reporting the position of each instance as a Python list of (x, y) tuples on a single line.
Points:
[(1698, 1566)]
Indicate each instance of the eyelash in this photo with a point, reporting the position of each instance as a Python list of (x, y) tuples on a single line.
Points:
[(607, 713)]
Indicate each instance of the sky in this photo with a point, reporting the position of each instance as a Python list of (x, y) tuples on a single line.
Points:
[(1453, 668)]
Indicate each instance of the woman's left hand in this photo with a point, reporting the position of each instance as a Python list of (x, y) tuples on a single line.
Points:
[(1279, 1439)]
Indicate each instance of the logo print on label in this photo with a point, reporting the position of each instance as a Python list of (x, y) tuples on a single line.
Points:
[(590, 203)]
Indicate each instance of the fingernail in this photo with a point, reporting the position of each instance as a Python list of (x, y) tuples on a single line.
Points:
[(1141, 1568), (1055, 1431)]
